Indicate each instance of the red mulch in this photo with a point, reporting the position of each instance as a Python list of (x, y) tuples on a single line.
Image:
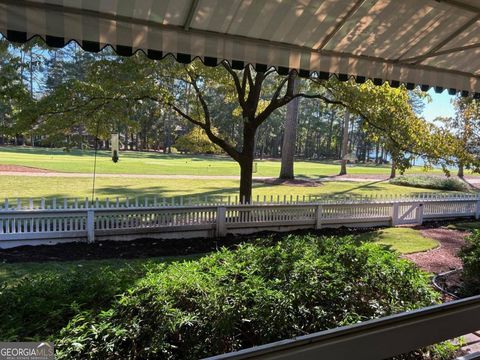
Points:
[(443, 258), (19, 168)]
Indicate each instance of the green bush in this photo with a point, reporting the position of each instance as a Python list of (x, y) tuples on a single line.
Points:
[(38, 306), (257, 294), (197, 142), (470, 255), (430, 182)]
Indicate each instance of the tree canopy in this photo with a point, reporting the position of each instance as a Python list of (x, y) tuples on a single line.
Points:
[(155, 104)]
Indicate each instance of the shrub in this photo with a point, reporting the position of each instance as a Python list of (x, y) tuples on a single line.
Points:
[(40, 305), (197, 142), (257, 294), (430, 182), (470, 255)]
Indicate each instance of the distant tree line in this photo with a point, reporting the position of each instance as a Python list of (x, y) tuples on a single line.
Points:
[(69, 98)]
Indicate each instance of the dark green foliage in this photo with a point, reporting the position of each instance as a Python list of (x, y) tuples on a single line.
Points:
[(257, 294), (39, 305), (470, 255), (430, 182), (115, 156)]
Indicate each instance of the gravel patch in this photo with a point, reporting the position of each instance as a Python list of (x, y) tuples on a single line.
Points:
[(443, 258)]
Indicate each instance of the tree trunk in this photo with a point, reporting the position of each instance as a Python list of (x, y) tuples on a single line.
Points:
[(377, 151), (289, 137), (246, 164), (246, 170), (343, 168), (330, 134), (393, 171), (460, 170)]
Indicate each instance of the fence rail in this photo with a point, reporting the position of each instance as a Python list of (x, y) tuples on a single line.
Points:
[(155, 201), (42, 222)]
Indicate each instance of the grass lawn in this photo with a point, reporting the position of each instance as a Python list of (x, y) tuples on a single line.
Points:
[(403, 240), (25, 187), (153, 163)]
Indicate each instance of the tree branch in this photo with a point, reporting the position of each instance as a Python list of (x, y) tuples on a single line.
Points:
[(207, 126), (229, 149), (239, 87)]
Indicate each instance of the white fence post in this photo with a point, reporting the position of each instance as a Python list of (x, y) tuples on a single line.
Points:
[(90, 226), (477, 210), (221, 223), (420, 214), (318, 221), (395, 209), (21, 222)]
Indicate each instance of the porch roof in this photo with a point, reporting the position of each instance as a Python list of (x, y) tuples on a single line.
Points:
[(416, 42)]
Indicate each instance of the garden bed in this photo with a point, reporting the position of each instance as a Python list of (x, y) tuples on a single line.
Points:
[(450, 283), (142, 248)]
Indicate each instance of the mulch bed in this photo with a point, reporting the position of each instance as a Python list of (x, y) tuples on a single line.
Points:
[(142, 248), (19, 168), (443, 258)]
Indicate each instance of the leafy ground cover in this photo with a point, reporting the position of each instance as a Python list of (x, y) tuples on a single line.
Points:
[(256, 294), (470, 255), (309, 280), (61, 290), (465, 225)]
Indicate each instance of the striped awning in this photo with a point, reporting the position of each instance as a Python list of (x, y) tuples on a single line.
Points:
[(416, 42)]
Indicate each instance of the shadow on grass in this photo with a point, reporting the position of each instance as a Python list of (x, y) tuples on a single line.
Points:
[(370, 186), (130, 154)]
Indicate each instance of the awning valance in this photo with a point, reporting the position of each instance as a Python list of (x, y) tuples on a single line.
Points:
[(422, 42)]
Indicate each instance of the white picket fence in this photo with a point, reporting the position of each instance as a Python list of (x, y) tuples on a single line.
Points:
[(47, 222)]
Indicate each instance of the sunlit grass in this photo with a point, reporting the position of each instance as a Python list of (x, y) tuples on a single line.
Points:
[(401, 239), (25, 187), (132, 162)]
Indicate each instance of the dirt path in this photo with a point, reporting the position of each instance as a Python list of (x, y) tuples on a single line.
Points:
[(17, 170), (443, 258)]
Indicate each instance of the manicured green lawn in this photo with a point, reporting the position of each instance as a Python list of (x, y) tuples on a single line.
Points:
[(404, 240), (155, 163), (25, 187)]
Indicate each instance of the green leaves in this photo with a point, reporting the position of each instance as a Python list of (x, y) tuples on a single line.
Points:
[(196, 142), (470, 255), (388, 115), (257, 294)]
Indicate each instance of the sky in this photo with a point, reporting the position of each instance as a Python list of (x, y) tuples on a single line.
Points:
[(439, 106)]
